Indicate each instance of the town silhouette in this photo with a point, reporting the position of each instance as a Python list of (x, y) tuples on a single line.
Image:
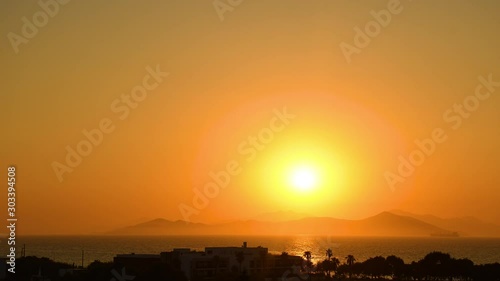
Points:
[(255, 264)]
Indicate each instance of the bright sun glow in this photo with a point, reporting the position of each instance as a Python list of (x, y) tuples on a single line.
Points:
[(304, 179), (303, 175)]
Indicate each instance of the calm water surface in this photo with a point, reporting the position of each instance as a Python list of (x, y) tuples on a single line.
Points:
[(104, 248)]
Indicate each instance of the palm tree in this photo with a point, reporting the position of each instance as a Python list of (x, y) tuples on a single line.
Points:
[(327, 265), (350, 260), (335, 263), (329, 254), (308, 256)]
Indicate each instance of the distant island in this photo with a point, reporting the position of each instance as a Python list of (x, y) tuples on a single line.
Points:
[(388, 224), (445, 234)]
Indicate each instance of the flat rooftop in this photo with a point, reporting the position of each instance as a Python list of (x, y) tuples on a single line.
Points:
[(138, 256)]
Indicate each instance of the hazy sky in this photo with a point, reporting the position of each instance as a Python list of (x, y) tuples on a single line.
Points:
[(229, 72)]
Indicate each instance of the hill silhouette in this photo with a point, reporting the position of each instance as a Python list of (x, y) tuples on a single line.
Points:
[(384, 224), (465, 226)]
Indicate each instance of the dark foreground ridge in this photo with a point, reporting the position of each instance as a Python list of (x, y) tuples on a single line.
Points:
[(253, 264)]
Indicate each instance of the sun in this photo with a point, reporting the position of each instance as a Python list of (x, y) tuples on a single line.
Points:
[(303, 178)]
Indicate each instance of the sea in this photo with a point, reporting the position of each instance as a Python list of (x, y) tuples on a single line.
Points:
[(69, 249)]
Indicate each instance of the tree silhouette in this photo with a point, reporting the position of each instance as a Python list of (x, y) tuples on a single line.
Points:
[(308, 256), (396, 266), (350, 260), (329, 254), (333, 265), (326, 265), (330, 265), (375, 267), (436, 265), (335, 262), (464, 268)]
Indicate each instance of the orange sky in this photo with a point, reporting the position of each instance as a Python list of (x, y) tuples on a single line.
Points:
[(351, 121)]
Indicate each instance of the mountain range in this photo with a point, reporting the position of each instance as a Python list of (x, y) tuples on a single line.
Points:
[(464, 226), (395, 223)]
